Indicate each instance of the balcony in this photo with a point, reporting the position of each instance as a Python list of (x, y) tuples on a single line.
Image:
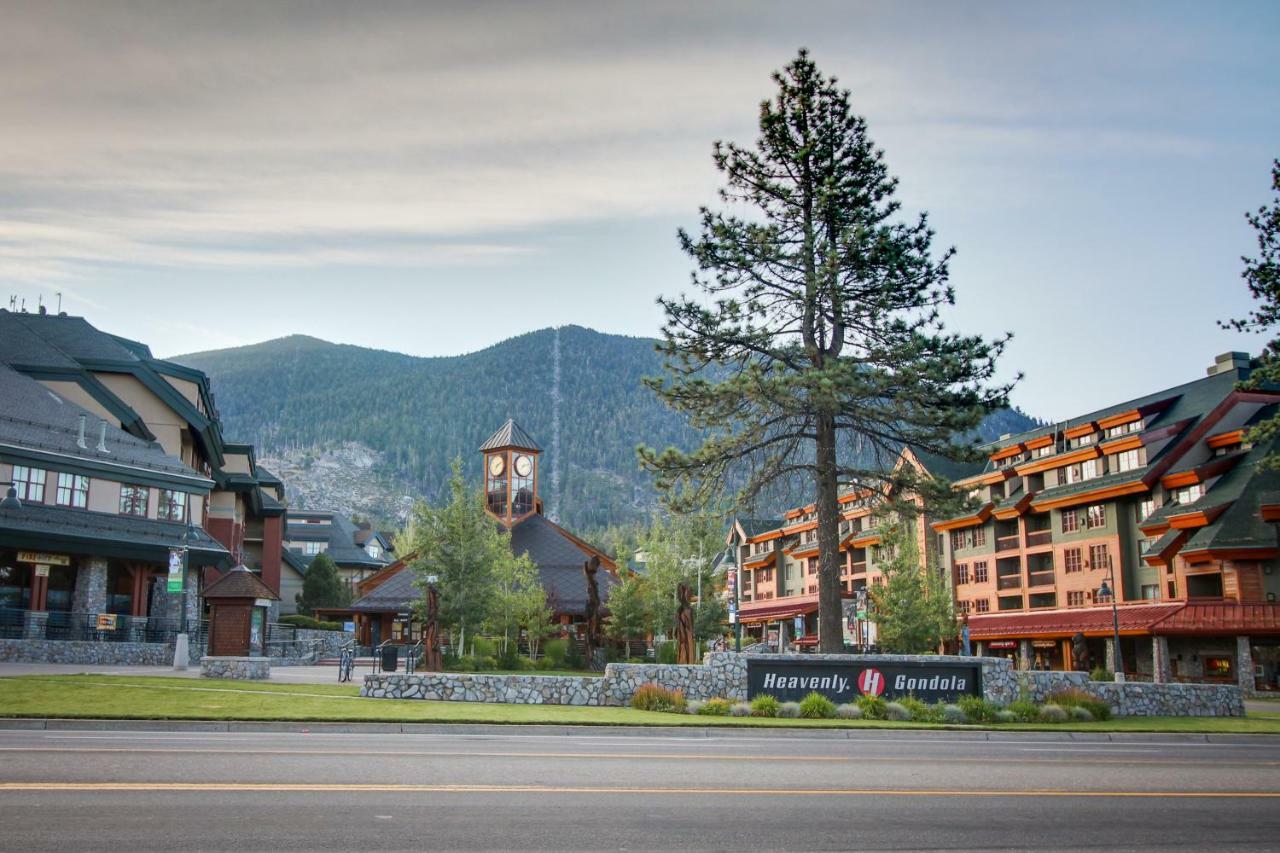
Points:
[(1009, 602), (1009, 582), (1039, 537), (860, 568), (1041, 578), (1045, 599), (1007, 543)]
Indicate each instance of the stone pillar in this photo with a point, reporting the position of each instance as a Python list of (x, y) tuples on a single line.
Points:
[(1161, 668), (1244, 666), (33, 624), (90, 595), (1024, 654)]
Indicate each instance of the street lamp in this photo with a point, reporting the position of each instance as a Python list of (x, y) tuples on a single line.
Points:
[(730, 563), (1117, 668), (181, 643)]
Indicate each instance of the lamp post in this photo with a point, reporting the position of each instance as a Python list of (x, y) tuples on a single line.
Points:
[(1117, 667), (181, 642), (730, 563)]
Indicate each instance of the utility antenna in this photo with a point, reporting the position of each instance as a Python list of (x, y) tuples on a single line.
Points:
[(59, 301)]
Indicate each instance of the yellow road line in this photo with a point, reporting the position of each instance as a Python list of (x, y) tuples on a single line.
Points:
[(300, 787), (1088, 758)]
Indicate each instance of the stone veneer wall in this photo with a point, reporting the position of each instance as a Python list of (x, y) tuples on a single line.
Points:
[(724, 674), (62, 651), (235, 667)]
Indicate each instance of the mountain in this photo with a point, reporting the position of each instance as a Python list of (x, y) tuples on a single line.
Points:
[(576, 391)]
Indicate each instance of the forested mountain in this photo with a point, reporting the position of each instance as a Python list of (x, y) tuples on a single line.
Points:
[(576, 391)]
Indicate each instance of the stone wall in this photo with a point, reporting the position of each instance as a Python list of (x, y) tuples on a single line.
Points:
[(306, 644), (235, 667), (724, 674), (73, 652)]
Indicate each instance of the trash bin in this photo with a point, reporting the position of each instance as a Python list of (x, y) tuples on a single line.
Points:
[(390, 658)]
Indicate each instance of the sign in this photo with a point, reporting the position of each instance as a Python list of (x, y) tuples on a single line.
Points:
[(1002, 644), (1044, 644), (733, 617), (791, 679), (106, 621), (798, 624), (175, 570), (42, 570), (348, 626), (41, 557)]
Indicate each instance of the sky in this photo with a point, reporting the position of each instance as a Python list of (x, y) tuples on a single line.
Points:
[(433, 178)]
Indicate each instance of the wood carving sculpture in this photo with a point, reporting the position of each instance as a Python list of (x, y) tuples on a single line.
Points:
[(589, 569), (686, 649), (432, 662)]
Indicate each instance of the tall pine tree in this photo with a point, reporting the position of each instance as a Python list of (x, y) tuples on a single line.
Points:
[(820, 327)]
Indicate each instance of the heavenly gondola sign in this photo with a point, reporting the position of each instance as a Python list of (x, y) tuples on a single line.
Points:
[(843, 680)]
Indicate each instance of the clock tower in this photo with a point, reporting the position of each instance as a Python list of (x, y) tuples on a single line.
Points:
[(511, 474)]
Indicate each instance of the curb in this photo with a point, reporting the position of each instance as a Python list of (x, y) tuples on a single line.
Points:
[(684, 732)]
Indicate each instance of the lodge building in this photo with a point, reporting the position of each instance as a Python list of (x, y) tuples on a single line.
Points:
[(115, 460), (385, 609), (1162, 498)]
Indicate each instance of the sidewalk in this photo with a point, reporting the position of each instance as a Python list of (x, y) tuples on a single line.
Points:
[(279, 674)]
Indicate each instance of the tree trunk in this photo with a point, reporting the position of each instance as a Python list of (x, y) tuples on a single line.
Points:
[(830, 615)]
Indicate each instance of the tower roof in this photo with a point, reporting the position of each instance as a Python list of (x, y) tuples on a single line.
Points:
[(510, 435)]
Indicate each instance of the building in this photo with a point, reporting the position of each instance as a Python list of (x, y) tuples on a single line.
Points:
[(1161, 499), (511, 464), (777, 563), (112, 454), (356, 549)]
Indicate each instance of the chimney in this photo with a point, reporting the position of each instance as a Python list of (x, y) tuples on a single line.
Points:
[(102, 438), (1229, 362), (80, 442)]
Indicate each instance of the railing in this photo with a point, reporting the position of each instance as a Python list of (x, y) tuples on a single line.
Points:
[(1043, 578), (1009, 582), (294, 649), (411, 656), (12, 622), (1007, 543), (1039, 537), (860, 568), (68, 626)]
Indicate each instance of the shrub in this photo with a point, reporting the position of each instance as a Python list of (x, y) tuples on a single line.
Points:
[(849, 712), (953, 714), (482, 647), (666, 652), (1004, 715), (897, 712), (1080, 715), (652, 697), (1052, 714), (544, 664), (1025, 711), (509, 657), (873, 707), (740, 709), (716, 708), (1100, 674), (694, 706), (465, 663), (1074, 697), (764, 705), (574, 659), (790, 710), (919, 711), (554, 651), (299, 621), (815, 706), (977, 709)]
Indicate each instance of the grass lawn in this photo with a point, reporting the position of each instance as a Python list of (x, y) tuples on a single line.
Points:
[(147, 698)]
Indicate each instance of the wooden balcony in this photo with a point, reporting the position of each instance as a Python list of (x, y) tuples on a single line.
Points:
[(1039, 537), (1009, 582), (1007, 543), (860, 568), (1041, 578)]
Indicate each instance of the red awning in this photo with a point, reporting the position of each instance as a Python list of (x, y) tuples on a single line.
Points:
[(1222, 618), (1090, 621), (777, 612), (806, 641)]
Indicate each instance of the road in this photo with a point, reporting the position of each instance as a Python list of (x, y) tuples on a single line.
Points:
[(99, 790)]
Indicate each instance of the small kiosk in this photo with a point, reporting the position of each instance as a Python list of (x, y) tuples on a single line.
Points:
[(238, 606)]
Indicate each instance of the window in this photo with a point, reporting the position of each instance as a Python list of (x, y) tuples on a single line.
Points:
[(962, 606), (1189, 494), (1127, 461), (979, 536), (374, 550), (1150, 591), (1086, 470), (172, 506), (1096, 516), (1070, 524), (957, 540), (791, 570), (981, 605), (980, 572), (312, 548), (133, 500), (1075, 599), (1071, 561), (766, 576), (962, 574), (1087, 438), (73, 490), (1047, 450), (29, 483), (1145, 508), (1099, 557), (1125, 429)]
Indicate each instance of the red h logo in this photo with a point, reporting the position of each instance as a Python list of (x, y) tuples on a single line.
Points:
[(871, 682)]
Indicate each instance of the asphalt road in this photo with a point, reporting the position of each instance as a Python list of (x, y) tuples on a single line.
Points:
[(126, 791)]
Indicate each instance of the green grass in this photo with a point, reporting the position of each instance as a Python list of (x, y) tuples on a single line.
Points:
[(158, 698)]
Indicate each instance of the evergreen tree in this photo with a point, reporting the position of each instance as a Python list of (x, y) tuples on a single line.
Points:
[(466, 550), (1262, 275), (680, 549), (819, 347), (912, 608), (322, 587)]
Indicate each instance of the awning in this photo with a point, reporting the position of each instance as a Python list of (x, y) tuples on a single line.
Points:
[(777, 612), (1090, 621), (1220, 618)]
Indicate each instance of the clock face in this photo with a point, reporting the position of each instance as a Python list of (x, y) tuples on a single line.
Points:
[(524, 466), (495, 466)]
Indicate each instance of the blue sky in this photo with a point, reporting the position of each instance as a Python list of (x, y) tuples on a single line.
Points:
[(435, 178)]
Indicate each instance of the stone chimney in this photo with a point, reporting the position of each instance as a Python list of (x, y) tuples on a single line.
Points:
[(1228, 362)]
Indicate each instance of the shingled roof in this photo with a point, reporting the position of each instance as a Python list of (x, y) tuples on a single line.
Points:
[(239, 583), (510, 435)]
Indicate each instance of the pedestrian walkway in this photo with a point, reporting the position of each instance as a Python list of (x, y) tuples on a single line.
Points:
[(279, 674)]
